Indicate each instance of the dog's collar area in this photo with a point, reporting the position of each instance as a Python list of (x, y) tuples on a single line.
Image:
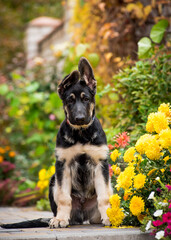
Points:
[(80, 126)]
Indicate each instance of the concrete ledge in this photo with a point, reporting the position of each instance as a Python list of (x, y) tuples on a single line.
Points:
[(83, 232)]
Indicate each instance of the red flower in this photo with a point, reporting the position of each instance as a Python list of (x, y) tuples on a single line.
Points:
[(157, 223), (111, 147), (122, 140)]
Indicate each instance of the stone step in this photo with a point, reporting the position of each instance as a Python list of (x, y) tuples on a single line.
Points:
[(83, 232)]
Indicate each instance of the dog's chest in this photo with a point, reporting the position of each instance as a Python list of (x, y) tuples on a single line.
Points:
[(82, 176)]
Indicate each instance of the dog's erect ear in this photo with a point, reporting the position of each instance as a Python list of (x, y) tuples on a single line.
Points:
[(87, 75), (69, 80)]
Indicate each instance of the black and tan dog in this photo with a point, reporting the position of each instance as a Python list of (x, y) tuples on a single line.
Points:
[(80, 188)]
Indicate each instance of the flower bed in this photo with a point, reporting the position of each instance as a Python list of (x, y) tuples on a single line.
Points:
[(142, 179)]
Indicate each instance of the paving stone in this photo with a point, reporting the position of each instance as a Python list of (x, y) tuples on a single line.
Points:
[(83, 232)]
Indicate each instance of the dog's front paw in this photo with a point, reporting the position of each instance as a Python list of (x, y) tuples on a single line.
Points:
[(106, 222), (56, 223)]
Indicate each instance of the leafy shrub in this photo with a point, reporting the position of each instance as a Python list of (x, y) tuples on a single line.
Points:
[(143, 87)]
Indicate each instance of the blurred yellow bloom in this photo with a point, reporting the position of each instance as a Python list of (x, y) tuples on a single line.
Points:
[(1, 159), (136, 205), (156, 122), (42, 174), (115, 154), (151, 171), (166, 159), (38, 61), (139, 181), (12, 154), (116, 169), (165, 138), (141, 217), (165, 108), (129, 154)]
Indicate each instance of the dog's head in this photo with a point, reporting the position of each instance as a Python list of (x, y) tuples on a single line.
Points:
[(77, 91)]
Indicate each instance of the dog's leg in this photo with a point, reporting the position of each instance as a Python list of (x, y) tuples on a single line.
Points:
[(103, 189), (62, 195)]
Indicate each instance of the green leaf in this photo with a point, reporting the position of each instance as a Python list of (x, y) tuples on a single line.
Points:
[(3, 89), (144, 45), (32, 87), (158, 31), (80, 49), (34, 138)]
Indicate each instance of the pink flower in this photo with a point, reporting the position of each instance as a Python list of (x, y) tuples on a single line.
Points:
[(167, 231), (52, 117), (157, 223), (167, 218), (170, 205), (168, 187), (122, 140)]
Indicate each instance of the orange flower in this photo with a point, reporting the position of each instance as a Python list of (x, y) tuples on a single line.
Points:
[(12, 154), (1, 159), (2, 150), (7, 148)]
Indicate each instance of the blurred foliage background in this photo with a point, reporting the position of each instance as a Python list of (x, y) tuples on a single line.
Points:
[(133, 75)]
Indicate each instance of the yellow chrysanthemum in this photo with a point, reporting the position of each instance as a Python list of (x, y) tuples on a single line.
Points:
[(156, 122), (124, 180), (114, 155), (141, 143), (42, 184), (136, 205), (153, 149), (139, 181), (165, 138), (116, 169), (129, 154), (116, 216), (42, 174), (165, 108), (114, 201)]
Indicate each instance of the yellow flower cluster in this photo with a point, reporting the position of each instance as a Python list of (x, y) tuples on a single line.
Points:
[(44, 176), (139, 181), (165, 108), (114, 155), (165, 138), (157, 122), (136, 205), (116, 169), (115, 213), (149, 145), (129, 154), (125, 178)]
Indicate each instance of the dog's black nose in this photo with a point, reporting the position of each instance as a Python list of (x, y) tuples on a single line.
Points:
[(80, 119)]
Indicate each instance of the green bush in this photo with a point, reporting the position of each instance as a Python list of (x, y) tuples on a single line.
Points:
[(143, 87)]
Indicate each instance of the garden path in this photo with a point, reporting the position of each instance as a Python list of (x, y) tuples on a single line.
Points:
[(84, 232)]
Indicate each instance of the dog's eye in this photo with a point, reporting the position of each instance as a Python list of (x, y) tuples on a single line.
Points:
[(85, 99), (71, 100)]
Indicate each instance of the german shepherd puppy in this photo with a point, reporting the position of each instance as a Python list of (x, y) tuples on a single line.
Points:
[(80, 188)]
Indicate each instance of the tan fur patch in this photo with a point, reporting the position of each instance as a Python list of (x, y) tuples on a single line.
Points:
[(95, 152)]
